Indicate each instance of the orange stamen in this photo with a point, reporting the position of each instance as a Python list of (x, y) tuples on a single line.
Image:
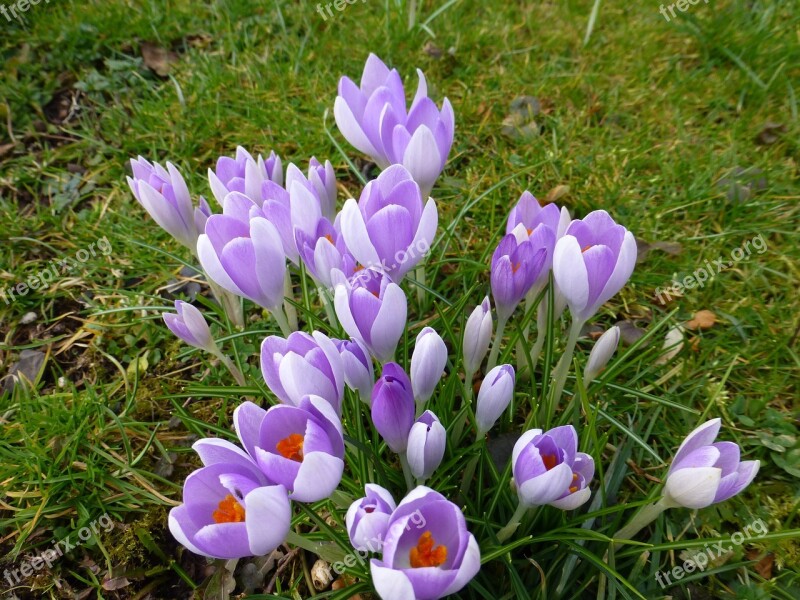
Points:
[(515, 267), (549, 461), (329, 237), (585, 248), (425, 555), (574, 488), (229, 511), (358, 268), (291, 447)]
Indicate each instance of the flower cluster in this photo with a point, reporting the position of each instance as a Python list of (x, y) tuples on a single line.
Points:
[(275, 227)]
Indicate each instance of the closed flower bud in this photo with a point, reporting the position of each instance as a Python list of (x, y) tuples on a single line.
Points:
[(494, 396), (477, 336), (426, 444), (190, 326), (359, 374), (393, 407), (427, 364), (368, 517), (601, 353)]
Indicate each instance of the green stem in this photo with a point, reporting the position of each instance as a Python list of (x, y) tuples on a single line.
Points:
[(234, 370), (507, 531), (407, 471), (230, 303), (498, 338), (562, 368), (330, 311), (283, 323), (419, 276), (288, 293), (642, 519)]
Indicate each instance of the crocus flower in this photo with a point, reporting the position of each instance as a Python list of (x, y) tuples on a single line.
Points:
[(548, 469), (704, 472), (323, 251), (393, 407), (321, 182), (372, 308), (373, 118), (303, 364), (227, 503), (428, 553), (389, 227), (201, 214), (244, 255), (516, 266), (592, 262), (299, 447), (529, 214), (368, 518), (165, 196), (244, 174), (602, 352), (427, 364), (495, 395), (426, 445), (359, 374), (477, 337), (189, 325)]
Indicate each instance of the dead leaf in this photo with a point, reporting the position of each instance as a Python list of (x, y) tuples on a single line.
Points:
[(643, 248), (629, 332), (117, 583), (764, 566), (520, 124), (556, 193), (703, 319), (770, 133), (158, 59)]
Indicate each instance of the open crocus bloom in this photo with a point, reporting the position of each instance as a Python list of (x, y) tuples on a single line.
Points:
[(164, 195), (592, 262), (323, 251), (389, 227), (704, 472), (548, 469), (368, 518), (244, 174), (373, 118), (303, 364), (530, 214), (373, 309), (428, 552), (299, 447), (226, 505), (516, 266)]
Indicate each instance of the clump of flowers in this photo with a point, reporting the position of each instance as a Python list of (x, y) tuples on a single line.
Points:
[(343, 405)]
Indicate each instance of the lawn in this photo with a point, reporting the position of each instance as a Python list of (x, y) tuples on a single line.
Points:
[(684, 129)]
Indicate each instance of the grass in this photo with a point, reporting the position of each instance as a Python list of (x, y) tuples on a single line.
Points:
[(640, 117)]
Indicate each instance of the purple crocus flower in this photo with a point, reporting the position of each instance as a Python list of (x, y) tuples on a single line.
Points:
[(704, 472), (368, 517), (359, 374), (226, 504), (164, 195), (303, 364), (321, 182), (477, 337), (548, 469), (516, 266), (189, 325), (244, 255), (389, 227), (592, 262), (299, 447), (393, 407), (427, 364), (324, 251), (373, 118), (428, 553), (497, 390), (372, 308), (426, 444), (529, 214), (244, 174)]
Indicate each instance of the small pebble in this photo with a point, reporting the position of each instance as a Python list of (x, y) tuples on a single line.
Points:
[(28, 318)]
